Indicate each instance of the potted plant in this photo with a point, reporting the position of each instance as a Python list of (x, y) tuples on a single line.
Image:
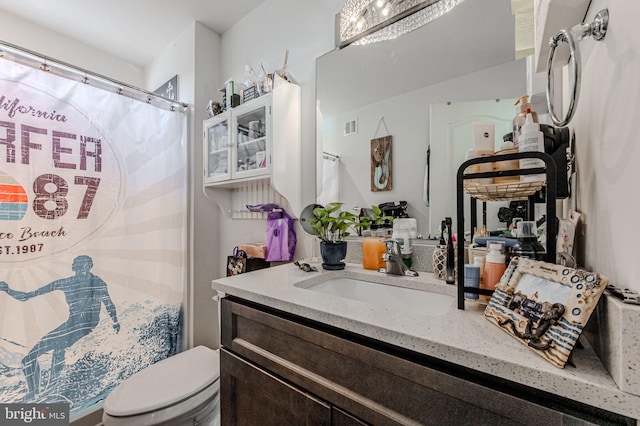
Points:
[(374, 220), (332, 225)]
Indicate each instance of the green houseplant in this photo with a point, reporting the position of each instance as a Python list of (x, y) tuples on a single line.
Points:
[(374, 219), (332, 225)]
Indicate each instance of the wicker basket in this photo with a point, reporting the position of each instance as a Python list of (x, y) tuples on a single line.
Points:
[(503, 191)]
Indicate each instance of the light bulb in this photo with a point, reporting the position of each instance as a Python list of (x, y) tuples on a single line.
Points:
[(360, 23), (380, 3), (386, 9)]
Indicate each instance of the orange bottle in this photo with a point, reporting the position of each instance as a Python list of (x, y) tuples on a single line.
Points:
[(494, 265), (372, 250)]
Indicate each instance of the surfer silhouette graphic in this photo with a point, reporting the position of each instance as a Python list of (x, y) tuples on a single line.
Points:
[(84, 292)]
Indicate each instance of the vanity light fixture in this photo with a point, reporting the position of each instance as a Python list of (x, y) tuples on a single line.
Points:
[(369, 21)]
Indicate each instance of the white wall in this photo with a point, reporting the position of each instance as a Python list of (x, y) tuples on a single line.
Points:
[(27, 35), (306, 29), (195, 57), (607, 125)]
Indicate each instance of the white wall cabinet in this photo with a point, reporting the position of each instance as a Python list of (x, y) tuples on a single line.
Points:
[(252, 153), (238, 142)]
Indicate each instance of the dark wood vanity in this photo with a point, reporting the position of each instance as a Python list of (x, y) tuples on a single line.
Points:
[(282, 369)]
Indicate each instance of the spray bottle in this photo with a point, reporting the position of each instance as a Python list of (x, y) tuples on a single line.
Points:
[(522, 105)]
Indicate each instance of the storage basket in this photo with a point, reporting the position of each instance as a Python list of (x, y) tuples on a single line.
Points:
[(503, 191)]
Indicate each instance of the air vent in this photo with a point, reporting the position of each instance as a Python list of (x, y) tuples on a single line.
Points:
[(351, 127)]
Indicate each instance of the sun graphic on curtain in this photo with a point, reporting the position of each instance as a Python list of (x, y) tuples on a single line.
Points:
[(92, 237)]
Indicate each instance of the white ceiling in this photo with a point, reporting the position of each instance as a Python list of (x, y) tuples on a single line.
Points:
[(133, 30)]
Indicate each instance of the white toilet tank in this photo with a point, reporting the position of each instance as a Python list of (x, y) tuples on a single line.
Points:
[(169, 392)]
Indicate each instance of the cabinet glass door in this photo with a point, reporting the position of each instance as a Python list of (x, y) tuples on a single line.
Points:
[(218, 152), (251, 153)]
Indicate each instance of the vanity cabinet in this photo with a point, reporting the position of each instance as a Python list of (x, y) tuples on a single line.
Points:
[(277, 368), (254, 149)]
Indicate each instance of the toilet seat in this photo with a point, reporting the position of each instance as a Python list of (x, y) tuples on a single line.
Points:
[(168, 389)]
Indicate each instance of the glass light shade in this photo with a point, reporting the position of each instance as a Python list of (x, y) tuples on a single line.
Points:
[(366, 21)]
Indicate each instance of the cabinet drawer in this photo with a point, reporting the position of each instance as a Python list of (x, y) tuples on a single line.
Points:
[(374, 384), (251, 396)]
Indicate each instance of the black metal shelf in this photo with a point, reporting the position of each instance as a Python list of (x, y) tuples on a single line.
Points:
[(551, 186)]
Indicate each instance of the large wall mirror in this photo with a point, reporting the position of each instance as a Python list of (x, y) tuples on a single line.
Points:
[(394, 87)]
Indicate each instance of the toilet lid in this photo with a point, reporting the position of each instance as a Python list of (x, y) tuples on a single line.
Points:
[(165, 383)]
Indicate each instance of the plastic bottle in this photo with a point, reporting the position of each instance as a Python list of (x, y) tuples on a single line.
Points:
[(372, 250), (531, 140), (471, 279), (402, 234), (507, 147), (522, 105), (479, 261), (494, 265)]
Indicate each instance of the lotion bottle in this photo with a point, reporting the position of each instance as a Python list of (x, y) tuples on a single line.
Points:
[(494, 265), (531, 140)]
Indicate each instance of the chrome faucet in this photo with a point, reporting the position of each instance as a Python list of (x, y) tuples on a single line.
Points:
[(393, 260)]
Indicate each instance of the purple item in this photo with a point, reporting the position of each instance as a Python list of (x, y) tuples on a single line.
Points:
[(281, 234)]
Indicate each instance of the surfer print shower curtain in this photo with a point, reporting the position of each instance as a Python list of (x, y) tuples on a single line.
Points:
[(92, 237)]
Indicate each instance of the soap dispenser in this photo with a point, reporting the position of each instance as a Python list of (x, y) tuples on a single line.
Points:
[(522, 105), (494, 265)]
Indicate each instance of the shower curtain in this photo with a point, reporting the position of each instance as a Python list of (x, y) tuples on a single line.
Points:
[(92, 237)]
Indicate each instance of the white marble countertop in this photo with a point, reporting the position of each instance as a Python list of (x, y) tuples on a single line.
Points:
[(463, 337)]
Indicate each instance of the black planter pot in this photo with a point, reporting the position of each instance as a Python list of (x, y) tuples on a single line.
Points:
[(333, 255)]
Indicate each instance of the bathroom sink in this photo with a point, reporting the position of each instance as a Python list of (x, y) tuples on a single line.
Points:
[(409, 300)]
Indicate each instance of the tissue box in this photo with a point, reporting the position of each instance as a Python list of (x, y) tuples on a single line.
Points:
[(254, 250)]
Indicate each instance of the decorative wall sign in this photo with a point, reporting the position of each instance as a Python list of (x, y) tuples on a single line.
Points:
[(169, 90), (545, 306), (381, 164)]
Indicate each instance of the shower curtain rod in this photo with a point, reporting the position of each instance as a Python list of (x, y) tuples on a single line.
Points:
[(31, 58)]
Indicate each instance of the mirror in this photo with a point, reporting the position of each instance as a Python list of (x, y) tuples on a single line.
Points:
[(388, 88)]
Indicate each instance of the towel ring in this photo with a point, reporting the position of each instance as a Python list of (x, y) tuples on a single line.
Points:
[(597, 29)]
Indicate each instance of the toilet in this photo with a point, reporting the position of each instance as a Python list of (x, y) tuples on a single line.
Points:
[(179, 390)]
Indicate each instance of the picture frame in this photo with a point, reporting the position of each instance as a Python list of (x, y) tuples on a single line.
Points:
[(381, 164), (545, 306)]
